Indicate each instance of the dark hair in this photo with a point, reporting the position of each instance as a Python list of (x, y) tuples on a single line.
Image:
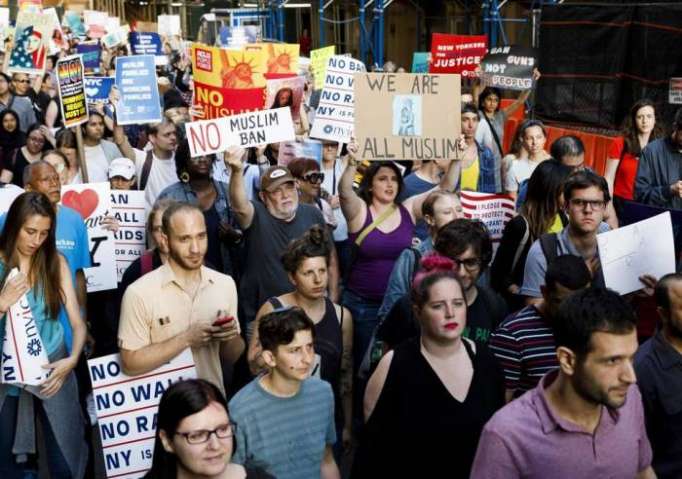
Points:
[(182, 399), (45, 267), (488, 91), (57, 153), (290, 102), (458, 235), (159, 205), (299, 166), (434, 268), (182, 159), (36, 127), (435, 195), (364, 190), (279, 327), (542, 196), (677, 121), (630, 133), (582, 179), (314, 243), (66, 138), (662, 291), (567, 145), (469, 108), (11, 140), (517, 143), (172, 210), (588, 311), (569, 271), (153, 128), (529, 124)]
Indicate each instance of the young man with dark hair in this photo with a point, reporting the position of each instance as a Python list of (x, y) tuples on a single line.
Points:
[(659, 371), (584, 420), (524, 343), (480, 169), (285, 419)]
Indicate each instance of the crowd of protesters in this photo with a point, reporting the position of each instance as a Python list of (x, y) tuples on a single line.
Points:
[(343, 329)]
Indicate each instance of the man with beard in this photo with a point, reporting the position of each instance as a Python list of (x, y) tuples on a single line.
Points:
[(659, 178), (181, 305), (98, 152), (584, 420), (659, 371)]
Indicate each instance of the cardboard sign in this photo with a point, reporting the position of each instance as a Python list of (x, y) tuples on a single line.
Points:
[(23, 351), (495, 211), (290, 150), (98, 88), (509, 68), (92, 55), (148, 43), (319, 59), (457, 53), (31, 42), (130, 240), (126, 410), (335, 113), (72, 91), (288, 92), (420, 62), (136, 82), (675, 95), (227, 82), (245, 130), (169, 25), (92, 201), (407, 116)]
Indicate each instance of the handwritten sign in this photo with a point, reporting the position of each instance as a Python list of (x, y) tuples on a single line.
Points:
[(92, 201), (245, 130), (334, 117), (126, 410), (72, 90), (129, 209), (407, 116), (319, 58), (509, 68)]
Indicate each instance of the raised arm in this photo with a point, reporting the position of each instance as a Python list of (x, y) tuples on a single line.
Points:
[(242, 207), (352, 205), (522, 97)]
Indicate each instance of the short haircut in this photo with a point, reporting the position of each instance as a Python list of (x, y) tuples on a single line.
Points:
[(589, 311), (583, 179), (172, 210), (458, 235), (435, 195), (567, 145), (662, 291), (31, 167), (300, 166), (279, 327), (469, 108), (153, 128), (569, 271)]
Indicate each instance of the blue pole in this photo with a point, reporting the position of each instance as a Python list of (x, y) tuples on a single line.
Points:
[(380, 34), (320, 11), (280, 20), (375, 35), (363, 38)]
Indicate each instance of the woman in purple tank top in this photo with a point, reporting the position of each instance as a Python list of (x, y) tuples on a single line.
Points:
[(374, 259)]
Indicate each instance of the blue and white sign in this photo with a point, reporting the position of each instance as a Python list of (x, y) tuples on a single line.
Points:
[(148, 43), (98, 88), (136, 83), (92, 53)]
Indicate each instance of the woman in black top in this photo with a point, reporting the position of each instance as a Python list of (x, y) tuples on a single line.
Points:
[(428, 400), (38, 140), (306, 261), (11, 139)]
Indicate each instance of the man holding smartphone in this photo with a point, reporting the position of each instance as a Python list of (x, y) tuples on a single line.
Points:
[(181, 304)]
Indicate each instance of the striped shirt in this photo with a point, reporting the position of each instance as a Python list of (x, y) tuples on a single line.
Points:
[(524, 345)]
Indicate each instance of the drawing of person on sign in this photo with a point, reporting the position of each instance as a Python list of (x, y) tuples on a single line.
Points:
[(407, 115)]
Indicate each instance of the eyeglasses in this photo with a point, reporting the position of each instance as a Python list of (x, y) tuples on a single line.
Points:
[(203, 435), (470, 264), (21, 81), (314, 177), (596, 205)]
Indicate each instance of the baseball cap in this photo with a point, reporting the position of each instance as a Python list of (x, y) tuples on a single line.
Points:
[(274, 177), (122, 167)]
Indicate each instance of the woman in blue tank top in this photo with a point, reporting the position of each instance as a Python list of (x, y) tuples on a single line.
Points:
[(27, 243)]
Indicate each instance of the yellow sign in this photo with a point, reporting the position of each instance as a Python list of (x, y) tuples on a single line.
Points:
[(228, 68), (318, 64)]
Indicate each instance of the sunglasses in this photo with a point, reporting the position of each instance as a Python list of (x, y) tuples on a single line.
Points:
[(314, 177)]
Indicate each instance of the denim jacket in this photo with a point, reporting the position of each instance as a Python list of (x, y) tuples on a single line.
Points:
[(487, 166)]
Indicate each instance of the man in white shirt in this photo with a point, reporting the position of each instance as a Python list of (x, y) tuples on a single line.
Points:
[(98, 152)]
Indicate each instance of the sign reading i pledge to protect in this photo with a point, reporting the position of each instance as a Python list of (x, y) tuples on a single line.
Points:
[(494, 211), (334, 115), (72, 90), (407, 116), (245, 130), (126, 410)]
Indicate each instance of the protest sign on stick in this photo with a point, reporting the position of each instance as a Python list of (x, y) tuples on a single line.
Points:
[(148, 43), (319, 59), (286, 92), (245, 130), (92, 201), (92, 54), (126, 409), (136, 82), (335, 113), (98, 88), (407, 116), (31, 42), (130, 240), (509, 68), (457, 53), (72, 90)]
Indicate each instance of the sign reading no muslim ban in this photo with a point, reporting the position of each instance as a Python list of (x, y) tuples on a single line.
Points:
[(129, 209), (457, 53), (334, 115), (245, 130), (495, 211), (407, 116), (509, 68), (72, 91), (126, 410)]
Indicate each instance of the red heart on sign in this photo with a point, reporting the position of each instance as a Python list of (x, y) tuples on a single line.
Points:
[(84, 202)]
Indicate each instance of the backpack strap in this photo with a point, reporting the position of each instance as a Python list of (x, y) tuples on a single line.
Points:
[(417, 258), (522, 244), (146, 262), (549, 242), (146, 169)]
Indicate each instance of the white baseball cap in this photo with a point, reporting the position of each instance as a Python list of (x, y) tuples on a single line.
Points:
[(122, 167)]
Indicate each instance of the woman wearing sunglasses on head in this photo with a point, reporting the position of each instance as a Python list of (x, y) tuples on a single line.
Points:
[(310, 178), (194, 436)]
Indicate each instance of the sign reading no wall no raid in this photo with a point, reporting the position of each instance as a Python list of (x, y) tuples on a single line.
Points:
[(126, 410), (407, 116), (334, 115), (245, 130)]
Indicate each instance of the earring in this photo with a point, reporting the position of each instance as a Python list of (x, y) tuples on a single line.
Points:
[(184, 177)]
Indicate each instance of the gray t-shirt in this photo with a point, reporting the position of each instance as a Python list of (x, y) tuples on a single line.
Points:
[(266, 240), (285, 436)]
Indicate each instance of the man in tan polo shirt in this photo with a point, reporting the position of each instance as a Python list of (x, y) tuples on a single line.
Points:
[(176, 306)]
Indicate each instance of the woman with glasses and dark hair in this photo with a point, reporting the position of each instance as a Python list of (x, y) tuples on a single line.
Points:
[(194, 436), (310, 178), (38, 140), (428, 400), (534, 137)]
